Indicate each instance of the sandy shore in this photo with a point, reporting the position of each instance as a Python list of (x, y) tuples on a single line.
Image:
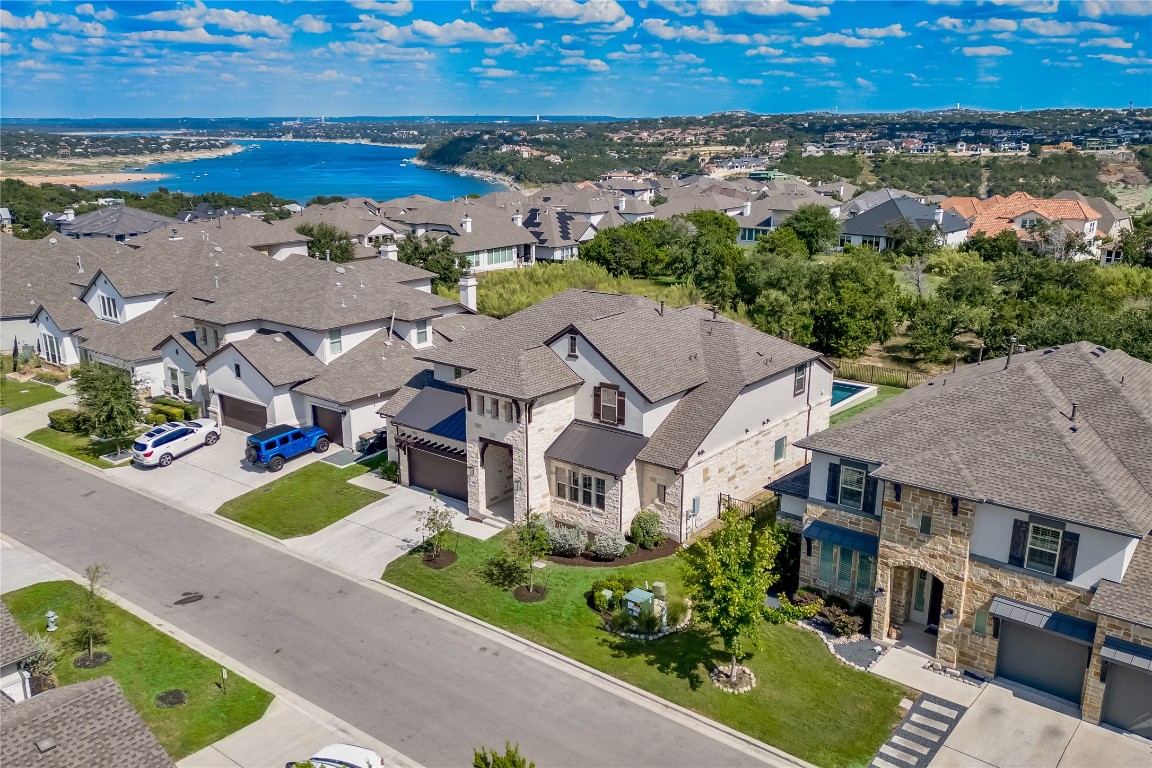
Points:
[(90, 179), (496, 178), (102, 170)]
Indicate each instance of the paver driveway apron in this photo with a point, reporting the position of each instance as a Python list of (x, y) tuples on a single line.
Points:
[(205, 478)]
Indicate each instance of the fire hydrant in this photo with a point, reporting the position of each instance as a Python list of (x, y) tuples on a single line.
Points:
[(51, 616)]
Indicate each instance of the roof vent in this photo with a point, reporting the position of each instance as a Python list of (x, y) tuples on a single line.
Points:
[(46, 745), (340, 270), (338, 285), (218, 249), (52, 240)]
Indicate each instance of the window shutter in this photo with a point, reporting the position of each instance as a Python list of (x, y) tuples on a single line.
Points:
[(468, 400), (833, 494), (596, 402), (620, 401), (870, 495), (1066, 564), (516, 407), (1019, 543)]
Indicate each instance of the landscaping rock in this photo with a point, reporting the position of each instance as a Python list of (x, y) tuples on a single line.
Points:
[(744, 680)]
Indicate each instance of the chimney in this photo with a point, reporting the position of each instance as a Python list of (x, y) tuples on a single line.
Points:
[(939, 215), (468, 290), (1072, 418), (388, 250), (714, 311), (518, 219), (621, 203), (466, 223), (1011, 349), (746, 208)]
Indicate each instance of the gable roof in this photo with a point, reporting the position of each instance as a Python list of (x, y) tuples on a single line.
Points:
[(491, 227), (279, 357), (1004, 435), (1130, 599), (91, 723), (875, 221), (232, 230), (867, 200), (372, 368), (115, 221)]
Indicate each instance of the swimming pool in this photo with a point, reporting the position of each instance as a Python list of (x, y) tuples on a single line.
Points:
[(842, 390)]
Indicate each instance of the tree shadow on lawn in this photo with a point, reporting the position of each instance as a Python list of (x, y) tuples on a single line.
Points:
[(688, 654)]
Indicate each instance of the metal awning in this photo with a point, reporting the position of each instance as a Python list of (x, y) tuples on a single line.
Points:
[(598, 448), (1034, 616), (1126, 653), (834, 534), (437, 411), (792, 484)]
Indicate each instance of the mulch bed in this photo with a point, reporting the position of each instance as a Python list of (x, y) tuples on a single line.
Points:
[(442, 560), (40, 683), (174, 697), (98, 659), (743, 682), (522, 594), (666, 549)]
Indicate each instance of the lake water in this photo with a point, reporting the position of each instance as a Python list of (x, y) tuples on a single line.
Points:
[(300, 170)]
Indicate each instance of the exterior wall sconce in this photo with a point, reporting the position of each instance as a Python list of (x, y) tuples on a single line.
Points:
[(471, 470), (948, 614), (516, 485), (879, 590), (343, 411)]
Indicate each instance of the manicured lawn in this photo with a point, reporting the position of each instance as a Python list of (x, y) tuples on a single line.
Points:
[(882, 394), (806, 702), (302, 502), (76, 445), (15, 395), (146, 662)]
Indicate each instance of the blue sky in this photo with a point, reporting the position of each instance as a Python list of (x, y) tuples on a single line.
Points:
[(649, 57)]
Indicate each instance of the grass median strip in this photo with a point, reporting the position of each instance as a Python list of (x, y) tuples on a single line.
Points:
[(806, 702), (302, 502), (146, 662), (15, 395), (76, 445)]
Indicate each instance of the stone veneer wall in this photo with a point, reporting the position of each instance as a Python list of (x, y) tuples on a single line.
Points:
[(810, 564), (672, 510), (1107, 626), (605, 520)]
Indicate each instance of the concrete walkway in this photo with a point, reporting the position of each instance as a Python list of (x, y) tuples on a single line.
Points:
[(291, 729), (20, 423)]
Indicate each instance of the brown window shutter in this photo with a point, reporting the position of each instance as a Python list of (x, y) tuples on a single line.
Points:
[(468, 400), (1066, 564), (1019, 543), (516, 406), (620, 402), (596, 402)]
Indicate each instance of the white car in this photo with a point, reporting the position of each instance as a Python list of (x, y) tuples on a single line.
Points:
[(160, 445), (344, 756)]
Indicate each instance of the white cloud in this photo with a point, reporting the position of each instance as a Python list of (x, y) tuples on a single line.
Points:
[(837, 38), (1049, 28), (607, 12), (804, 60), (1114, 59), (867, 84), (986, 50), (87, 9), (892, 30), (1094, 9), (200, 36), (763, 50), (1106, 42), (199, 15), (384, 7), (972, 27), (571, 52), (750, 81), (494, 72), (379, 51), (460, 31), (778, 73), (687, 58), (707, 34), (313, 24), (592, 65), (678, 7), (633, 47), (988, 79), (58, 21), (763, 8), (516, 49), (1051, 63), (1137, 71), (331, 74)]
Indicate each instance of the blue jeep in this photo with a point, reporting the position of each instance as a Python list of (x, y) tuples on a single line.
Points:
[(275, 445)]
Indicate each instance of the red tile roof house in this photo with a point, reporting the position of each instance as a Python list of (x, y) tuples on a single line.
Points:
[(1006, 507), (592, 407)]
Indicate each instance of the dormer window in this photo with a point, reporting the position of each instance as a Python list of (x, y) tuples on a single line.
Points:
[(608, 404), (109, 309), (421, 331), (335, 343), (572, 349)]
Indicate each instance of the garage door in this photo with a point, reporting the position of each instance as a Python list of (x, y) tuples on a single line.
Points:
[(242, 415), (1043, 660), (443, 472), (331, 422), (1128, 700)]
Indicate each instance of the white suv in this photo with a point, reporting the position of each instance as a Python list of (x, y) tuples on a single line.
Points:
[(343, 756), (159, 446)]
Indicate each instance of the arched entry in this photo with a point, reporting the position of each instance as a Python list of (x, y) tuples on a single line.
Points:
[(913, 603)]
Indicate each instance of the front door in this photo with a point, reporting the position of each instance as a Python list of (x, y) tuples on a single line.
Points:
[(934, 602), (927, 592)]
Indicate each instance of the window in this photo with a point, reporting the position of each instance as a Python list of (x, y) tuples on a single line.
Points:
[(507, 410), (1043, 548), (926, 523), (108, 308), (661, 492), (801, 375), (187, 384), (608, 402), (586, 490), (921, 590), (780, 449), (826, 562), (572, 352), (456, 373), (601, 492), (174, 381), (480, 404), (215, 339), (494, 408), (844, 571), (501, 255), (852, 486), (421, 331), (51, 348), (236, 369), (561, 484), (980, 622), (872, 241), (335, 344), (202, 334), (863, 573), (283, 441), (573, 486)]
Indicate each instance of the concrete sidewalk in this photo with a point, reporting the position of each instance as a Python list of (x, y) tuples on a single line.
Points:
[(20, 423), (291, 729)]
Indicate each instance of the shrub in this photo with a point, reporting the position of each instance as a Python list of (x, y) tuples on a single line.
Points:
[(791, 611), (170, 412), (155, 419), (677, 608), (648, 624), (390, 470), (190, 410), (608, 546), (65, 420), (45, 654), (629, 549), (619, 585), (504, 572), (646, 529), (837, 601), (566, 541), (621, 620), (50, 377), (844, 624), (804, 598)]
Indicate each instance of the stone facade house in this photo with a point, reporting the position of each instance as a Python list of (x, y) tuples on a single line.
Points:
[(592, 407), (1000, 515)]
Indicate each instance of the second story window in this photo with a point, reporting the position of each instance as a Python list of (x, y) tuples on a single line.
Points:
[(494, 409), (507, 410), (800, 375), (236, 369), (572, 351), (335, 344), (608, 404), (480, 404), (421, 331), (1043, 548), (852, 486), (108, 308)]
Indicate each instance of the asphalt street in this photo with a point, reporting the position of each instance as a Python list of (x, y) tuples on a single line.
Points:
[(425, 686)]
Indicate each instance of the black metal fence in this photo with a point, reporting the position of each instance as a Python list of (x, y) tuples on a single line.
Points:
[(878, 374), (758, 509)]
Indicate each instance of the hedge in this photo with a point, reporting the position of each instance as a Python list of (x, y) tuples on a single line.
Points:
[(65, 420)]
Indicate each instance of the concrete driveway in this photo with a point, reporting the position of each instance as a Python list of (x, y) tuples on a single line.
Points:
[(1013, 727), (367, 540), (206, 477)]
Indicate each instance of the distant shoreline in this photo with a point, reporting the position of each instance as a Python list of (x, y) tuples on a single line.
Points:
[(105, 170), (489, 176), (327, 141)]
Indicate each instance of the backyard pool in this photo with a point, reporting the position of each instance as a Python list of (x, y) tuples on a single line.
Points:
[(846, 394)]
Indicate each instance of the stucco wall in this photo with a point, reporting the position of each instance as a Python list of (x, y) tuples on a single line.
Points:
[(20, 328)]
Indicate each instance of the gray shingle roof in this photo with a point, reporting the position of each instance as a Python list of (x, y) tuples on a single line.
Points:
[(42, 272), (1004, 435), (532, 372), (1130, 599), (455, 327), (491, 227), (372, 368), (138, 338), (116, 220), (278, 357), (91, 723), (234, 230), (14, 643), (876, 221)]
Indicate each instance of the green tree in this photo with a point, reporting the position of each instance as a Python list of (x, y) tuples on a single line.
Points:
[(529, 543), (329, 242), (509, 758), (727, 577), (856, 305), (434, 254), (778, 284), (91, 623), (1004, 245), (626, 250), (107, 401), (325, 200), (815, 226), (436, 523)]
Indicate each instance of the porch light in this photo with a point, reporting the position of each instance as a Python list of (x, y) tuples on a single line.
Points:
[(516, 485), (879, 590), (471, 470), (948, 614)]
